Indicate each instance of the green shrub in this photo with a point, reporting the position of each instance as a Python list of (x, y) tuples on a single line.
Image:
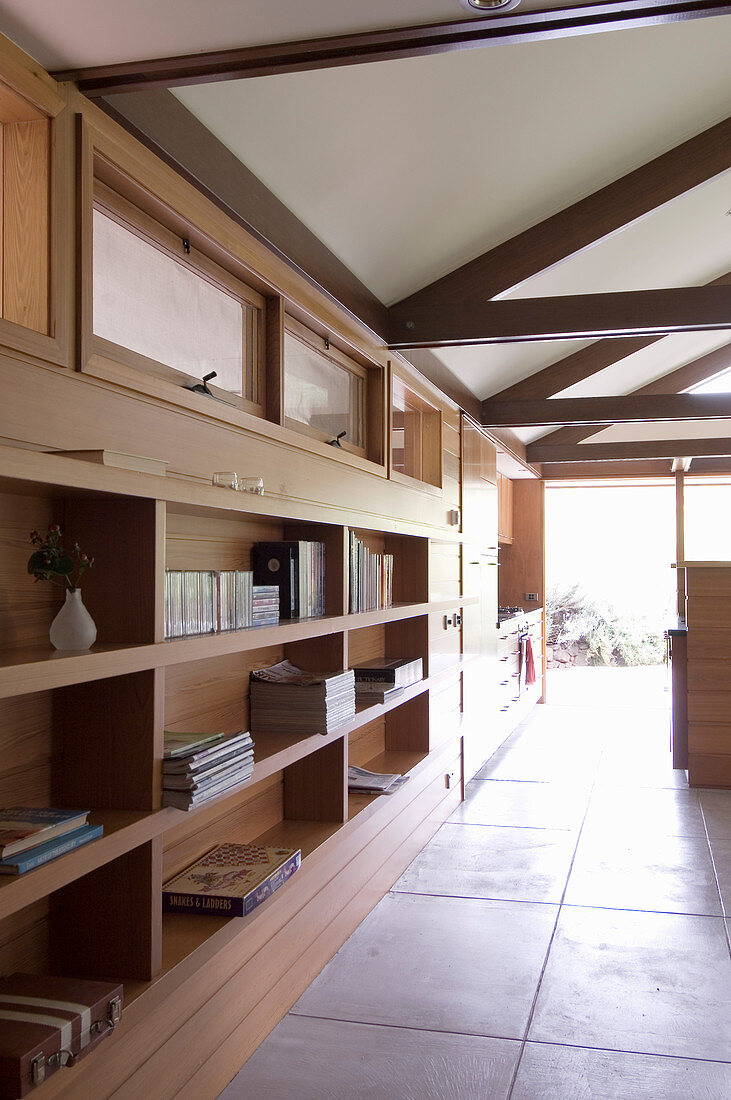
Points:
[(610, 638)]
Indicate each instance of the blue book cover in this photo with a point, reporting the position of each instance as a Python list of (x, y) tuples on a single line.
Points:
[(42, 853)]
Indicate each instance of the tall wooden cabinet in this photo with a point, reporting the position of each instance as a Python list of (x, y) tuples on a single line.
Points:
[(481, 730)]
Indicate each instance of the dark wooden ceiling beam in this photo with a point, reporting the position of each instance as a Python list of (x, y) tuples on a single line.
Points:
[(653, 448), (682, 378), (582, 364), (585, 222), (633, 408), (630, 468), (568, 317), (385, 45)]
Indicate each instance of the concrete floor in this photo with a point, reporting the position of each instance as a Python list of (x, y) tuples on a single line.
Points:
[(562, 937)]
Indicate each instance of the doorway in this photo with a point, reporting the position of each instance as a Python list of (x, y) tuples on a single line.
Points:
[(610, 591)]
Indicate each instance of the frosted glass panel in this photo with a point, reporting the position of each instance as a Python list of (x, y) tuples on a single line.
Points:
[(145, 301), (322, 394)]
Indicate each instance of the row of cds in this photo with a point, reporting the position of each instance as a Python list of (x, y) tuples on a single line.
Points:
[(370, 577), (210, 601)]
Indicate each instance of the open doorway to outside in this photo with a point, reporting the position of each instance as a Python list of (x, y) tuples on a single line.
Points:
[(610, 592)]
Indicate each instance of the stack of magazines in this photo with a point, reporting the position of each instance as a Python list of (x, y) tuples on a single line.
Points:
[(370, 577), (366, 782), (283, 697), (31, 836), (197, 767)]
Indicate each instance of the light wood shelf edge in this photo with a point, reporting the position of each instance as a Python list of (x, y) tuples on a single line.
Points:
[(125, 830), (40, 669), (42, 469)]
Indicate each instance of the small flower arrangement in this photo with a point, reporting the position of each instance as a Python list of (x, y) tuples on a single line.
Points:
[(51, 562)]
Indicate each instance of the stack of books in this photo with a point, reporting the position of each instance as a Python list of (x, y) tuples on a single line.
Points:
[(230, 880), (197, 767), (382, 679), (298, 568), (30, 837), (370, 577), (265, 611), (365, 782), (283, 697)]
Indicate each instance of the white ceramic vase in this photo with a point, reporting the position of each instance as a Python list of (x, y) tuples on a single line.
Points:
[(73, 627)]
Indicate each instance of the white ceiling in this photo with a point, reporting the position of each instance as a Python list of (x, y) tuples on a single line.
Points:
[(137, 29), (407, 169)]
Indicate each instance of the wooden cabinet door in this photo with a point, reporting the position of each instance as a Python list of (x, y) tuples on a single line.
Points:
[(479, 487)]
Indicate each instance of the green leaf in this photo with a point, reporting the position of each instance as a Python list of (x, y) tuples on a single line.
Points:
[(37, 562), (63, 565)]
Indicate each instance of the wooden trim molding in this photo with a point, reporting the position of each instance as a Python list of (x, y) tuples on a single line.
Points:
[(385, 45), (566, 317)]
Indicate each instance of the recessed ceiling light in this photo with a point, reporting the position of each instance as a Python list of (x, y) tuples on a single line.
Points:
[(489, 7)]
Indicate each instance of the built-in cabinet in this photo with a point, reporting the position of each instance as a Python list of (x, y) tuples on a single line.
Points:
[(86, 729), (504, 509), (701, 658)]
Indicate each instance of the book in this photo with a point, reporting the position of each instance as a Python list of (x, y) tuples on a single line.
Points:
[(24, 827), (396, 672), (141, 463), (377, 693), (43, 853), (181, 744), (230, 880)]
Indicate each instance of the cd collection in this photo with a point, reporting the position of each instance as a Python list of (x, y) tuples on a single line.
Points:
[(211, 601)]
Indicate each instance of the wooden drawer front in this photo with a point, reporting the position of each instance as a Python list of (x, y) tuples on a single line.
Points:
[(709, 771), (506, 663), (709, 645), (709, 583), (709, 612), (709, 739), (711, 675), (507, 642), (709, 707)]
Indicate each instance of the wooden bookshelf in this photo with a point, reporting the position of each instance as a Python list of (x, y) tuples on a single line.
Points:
[(87, 729)]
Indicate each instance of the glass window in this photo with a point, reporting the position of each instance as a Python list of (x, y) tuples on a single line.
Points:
[(184, 314), (322, 393), (415, 435)]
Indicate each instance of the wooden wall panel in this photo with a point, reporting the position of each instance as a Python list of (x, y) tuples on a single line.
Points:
[(445, 571), (110, 735), (27, 607), (26, 224), (366, 644), (238, 819), (367, 742), (522, 562), (202, 542), (24, 940), (212, 696)]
